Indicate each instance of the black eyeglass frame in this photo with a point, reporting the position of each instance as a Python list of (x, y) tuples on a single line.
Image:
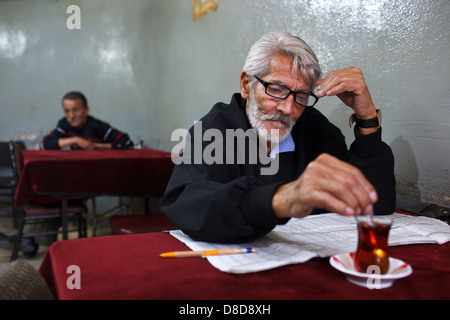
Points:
[(266, 84)]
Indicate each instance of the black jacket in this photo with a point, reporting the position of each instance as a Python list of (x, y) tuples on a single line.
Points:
[(231, 203), (94, 130)]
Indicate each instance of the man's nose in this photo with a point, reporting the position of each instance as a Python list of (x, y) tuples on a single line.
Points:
[(287, 105)]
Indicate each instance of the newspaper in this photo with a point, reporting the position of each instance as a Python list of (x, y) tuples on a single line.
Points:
[(321, 235)]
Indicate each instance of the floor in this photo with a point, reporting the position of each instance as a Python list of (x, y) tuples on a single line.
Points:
[(7, 228)]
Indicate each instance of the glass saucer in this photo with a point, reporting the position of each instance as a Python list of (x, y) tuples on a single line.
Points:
[(397, 270)]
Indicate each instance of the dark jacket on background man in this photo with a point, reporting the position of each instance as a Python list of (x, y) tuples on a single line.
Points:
[(94, 130)]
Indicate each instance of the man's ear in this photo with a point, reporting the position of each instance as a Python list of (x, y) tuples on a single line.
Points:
[(245, 85)]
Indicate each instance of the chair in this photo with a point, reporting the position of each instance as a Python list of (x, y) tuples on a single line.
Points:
[(6, 174), (144, 223), (7, 181), (36, 212)]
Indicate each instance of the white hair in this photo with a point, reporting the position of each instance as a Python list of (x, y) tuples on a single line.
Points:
[(302, 57)]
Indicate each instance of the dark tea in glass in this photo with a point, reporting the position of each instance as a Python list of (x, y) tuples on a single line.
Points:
[(372, 244)]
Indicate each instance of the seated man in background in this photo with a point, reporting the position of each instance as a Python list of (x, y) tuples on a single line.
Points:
[(231, 202), (79, 130)]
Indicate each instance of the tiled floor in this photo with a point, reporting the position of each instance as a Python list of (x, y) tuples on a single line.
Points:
[(6, 227), (108, 205)]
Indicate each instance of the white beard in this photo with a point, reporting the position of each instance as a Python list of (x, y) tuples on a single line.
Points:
[(256, 119)]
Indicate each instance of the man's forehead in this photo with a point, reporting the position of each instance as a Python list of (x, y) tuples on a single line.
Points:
[(283, 65), (76, 102)]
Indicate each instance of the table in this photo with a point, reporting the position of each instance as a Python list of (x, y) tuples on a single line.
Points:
[(55, 175), (129, 267)]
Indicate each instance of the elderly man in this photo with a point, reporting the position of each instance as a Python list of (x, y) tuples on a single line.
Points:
[(79, 130), (234, 202)]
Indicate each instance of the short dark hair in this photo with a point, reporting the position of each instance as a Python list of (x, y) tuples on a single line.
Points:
[(74, 95)]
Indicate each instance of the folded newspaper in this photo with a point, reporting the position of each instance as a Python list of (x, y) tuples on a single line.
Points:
[(321, 235)]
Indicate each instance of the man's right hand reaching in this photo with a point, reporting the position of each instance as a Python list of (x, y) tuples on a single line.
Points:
[(327, 183)]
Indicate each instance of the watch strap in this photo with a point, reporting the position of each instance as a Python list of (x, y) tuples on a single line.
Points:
[(366, 123)]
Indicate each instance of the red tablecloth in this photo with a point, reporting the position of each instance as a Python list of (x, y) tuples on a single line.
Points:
[(129, 267), (134, 172)]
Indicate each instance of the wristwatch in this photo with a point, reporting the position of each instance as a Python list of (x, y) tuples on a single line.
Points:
[(366, 123)]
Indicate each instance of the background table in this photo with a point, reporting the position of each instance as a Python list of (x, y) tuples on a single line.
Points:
[(70, 173), (129, 267), (58, 175)]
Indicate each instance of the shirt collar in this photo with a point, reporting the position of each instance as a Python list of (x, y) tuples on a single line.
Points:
[(287, 145)]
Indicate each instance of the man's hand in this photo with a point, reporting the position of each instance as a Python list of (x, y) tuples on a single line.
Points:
[(327, 183), (348, 85), (84, 144)]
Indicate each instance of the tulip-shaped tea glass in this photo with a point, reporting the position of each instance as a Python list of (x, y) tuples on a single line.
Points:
[(372, 248)]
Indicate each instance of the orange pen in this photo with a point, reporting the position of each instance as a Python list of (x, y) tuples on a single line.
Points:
[(215, 252)]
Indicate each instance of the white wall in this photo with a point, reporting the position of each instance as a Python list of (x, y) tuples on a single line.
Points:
[(148, 69)]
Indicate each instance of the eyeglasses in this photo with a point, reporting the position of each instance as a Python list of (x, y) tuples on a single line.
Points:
[(303, 98)]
